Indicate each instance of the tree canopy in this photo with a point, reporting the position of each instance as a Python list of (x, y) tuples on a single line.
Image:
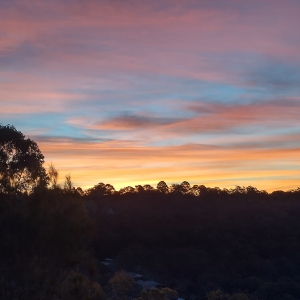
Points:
[(21, 162)]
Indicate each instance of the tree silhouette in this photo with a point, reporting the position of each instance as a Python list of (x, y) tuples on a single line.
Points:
[(185, 186), (148, 187), (101, 189), (121, 285), (21, 162), (68, 184), (53, 176), (127, 190), (162, 187)]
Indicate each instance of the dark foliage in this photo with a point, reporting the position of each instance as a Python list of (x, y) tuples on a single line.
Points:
[(241, 241), (21, 162), (43, 237)]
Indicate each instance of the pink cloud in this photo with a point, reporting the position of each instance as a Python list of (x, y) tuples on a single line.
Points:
[(139, 39), (212, 117), (266, 114)]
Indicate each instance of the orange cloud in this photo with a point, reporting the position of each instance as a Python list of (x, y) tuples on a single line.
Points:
[(123, 163)]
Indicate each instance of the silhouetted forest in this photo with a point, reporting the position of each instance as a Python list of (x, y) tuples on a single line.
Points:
[(196, 242)]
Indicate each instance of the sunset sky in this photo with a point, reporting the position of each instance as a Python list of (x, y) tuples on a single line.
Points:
[(134, 92)]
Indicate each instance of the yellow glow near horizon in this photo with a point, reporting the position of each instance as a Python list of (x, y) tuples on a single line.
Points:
[(90, 164)]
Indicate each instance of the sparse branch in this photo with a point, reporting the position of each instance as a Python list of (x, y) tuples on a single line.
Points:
[(68, 184), (53, 176)]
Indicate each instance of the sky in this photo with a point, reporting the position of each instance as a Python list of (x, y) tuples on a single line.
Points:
[(134, 92)]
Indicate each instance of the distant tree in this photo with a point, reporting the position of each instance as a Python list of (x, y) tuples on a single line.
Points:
[(216, 295), (202, 190), (195, 190), (171, 294), (144, 188), (78, 287), (100, 189), (154, 294), (21, 162), (185, 187), (139, 189), (121, 285), (238, 296), (126, 190), (252, 191), (238, 190), (53, 176), (162, 187), (177, 189), (148, 187), (79, 191), (68, 184), (109, 189)]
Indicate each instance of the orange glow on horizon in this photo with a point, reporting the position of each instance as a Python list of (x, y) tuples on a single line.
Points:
[(121, 166)]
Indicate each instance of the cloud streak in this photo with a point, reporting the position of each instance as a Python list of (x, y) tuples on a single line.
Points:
[(213, 118), (134, 123)]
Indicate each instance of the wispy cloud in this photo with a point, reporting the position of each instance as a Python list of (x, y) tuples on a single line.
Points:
[(132, 122), (208, 117)]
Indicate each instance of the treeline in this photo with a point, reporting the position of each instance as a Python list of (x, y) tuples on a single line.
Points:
[(212, 243), (102, 189)]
